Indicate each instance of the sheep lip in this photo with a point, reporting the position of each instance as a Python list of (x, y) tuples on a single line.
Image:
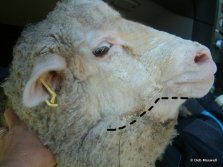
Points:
[(191, 78), (197, 81)]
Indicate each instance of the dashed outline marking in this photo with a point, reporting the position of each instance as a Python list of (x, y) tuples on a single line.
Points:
[(111, 129), (122, 127), (185, 98), (144, 112), (134, 121), (157, 100), (150, 108)]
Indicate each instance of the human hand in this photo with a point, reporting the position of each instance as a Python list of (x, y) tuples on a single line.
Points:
[(20, 147)]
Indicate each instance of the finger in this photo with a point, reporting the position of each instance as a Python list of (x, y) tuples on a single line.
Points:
[(3, 131), (11, 118)]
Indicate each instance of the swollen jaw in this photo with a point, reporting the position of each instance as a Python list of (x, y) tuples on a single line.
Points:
[(166, 109)]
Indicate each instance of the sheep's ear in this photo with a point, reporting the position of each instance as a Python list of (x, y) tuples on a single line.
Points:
[(49, 69)]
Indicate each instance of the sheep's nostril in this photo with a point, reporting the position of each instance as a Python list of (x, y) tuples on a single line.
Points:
[(200, 58)]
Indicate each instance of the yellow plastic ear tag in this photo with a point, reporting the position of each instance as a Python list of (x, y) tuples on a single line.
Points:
[(52, 101)]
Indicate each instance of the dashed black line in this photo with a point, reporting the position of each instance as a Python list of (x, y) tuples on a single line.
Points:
[(142, 114), (132, 122), (157, 100), (150, 108), (122, 127), (184, 98), (111, 129)]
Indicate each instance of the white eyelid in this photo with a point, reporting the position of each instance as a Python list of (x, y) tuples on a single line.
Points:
[(105, 44)]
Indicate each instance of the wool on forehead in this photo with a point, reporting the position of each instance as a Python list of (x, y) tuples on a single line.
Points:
[(90, 13)]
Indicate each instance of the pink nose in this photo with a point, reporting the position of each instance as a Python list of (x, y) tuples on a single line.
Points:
[(200, 58)]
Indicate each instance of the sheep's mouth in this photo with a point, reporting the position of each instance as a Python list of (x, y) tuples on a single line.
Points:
[(191, 84), (204, 80)]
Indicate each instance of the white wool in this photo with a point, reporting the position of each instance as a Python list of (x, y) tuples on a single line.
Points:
[(96, 93)]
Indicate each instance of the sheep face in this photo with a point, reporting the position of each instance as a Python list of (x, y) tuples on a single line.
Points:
[(151, 62), (105, 71), (120, 59)]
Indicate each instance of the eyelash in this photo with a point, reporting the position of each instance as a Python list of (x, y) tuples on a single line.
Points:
[(101, 51)]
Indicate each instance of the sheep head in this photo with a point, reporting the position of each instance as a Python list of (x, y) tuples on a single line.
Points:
[(105, 70)]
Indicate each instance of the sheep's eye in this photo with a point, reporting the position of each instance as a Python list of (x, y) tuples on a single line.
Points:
[(102, 49)]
